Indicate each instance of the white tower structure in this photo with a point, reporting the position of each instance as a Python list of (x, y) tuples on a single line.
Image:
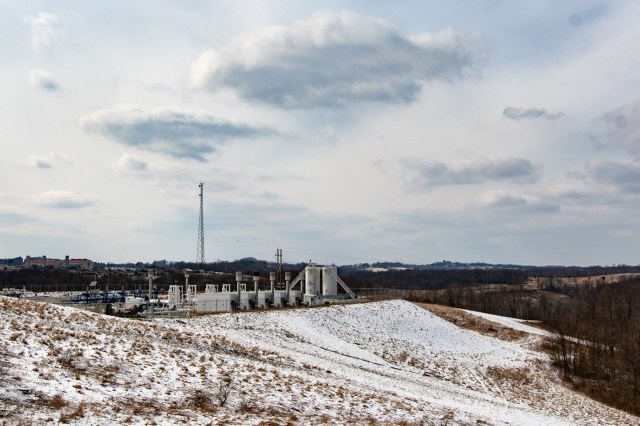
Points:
[(312, 280), (329, 280)]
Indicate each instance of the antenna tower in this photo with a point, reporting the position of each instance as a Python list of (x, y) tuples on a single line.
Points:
[(200, 251)]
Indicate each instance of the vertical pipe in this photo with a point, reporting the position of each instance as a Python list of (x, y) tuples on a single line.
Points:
[(239, 289), (287, 280), (272, 278), (150, 285), (255, 288), (150, 306), (186, 283)]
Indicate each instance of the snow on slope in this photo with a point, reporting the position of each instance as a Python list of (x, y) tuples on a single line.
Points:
[(385, 363), (514, 323)]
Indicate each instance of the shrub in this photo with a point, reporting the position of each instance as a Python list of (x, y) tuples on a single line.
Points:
[(78, 412), (55, 402), (203, 400)]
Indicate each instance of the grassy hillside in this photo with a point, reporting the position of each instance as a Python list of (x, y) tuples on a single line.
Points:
[(378, 363)]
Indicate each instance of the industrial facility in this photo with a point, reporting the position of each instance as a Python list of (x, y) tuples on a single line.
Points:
[(315, 285)]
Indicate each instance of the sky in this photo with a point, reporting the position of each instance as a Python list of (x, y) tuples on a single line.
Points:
[(340, 132)]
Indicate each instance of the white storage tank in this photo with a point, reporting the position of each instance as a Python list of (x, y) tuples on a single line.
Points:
[(329, 280), (312, 280)]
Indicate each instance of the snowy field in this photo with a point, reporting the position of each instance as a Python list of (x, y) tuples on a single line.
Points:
[(376, 363)]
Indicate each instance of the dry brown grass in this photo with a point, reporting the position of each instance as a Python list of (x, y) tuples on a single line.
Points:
[(136, 406), (77, 413), (471, 322), (518, 376), (249, 406), (203, 400), (55, 402), (72, 360), (447, 418), (608, 279)]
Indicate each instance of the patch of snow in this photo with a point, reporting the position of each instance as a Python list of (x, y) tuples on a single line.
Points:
[(514, 323)]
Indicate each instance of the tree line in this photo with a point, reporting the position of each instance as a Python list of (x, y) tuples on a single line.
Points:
[(430, 279), (598, 342)]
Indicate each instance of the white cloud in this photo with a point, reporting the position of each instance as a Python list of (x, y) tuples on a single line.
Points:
[(526, 203), (623, 175), (501, 198), (563, 191), (65, 199), (45, 30), (334, 59), (48, 162), (40, 162), (12, 214), (529, 113), (42, 79), (429, 174), (584, 194), (176, 132), (128, 162), (619, 129)]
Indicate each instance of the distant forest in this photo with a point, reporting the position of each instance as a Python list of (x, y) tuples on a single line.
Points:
[(424, 278), (436, 276)]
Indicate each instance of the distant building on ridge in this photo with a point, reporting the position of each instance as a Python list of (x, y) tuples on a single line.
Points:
[(66, 263)]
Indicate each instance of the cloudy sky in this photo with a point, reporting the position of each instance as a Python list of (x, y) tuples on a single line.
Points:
[(345, 132)]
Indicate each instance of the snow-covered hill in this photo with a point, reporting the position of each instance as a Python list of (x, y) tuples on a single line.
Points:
[(376, 363)]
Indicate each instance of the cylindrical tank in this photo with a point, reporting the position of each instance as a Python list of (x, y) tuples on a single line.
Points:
[(329, 280), (312, 280), (238, 284), (256, 280), (287, 281)]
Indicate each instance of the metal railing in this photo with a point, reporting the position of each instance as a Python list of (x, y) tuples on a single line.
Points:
[(371, 292)]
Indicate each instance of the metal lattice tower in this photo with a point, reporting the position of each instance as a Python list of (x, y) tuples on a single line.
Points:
[(200, 250)]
